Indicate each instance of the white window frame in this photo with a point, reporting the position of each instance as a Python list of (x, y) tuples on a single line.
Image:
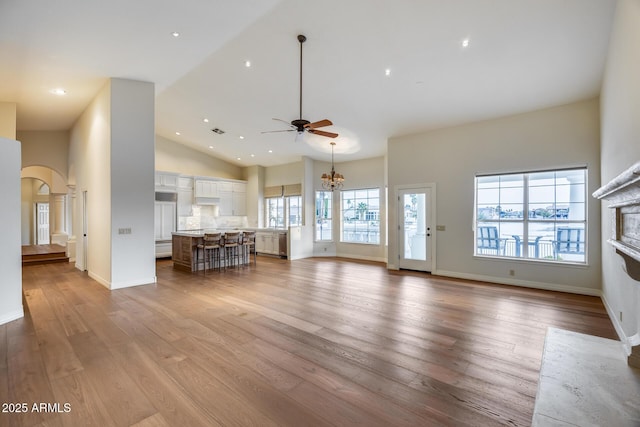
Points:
[(285, 203), (528, 248), (364, 219), (328, 218)]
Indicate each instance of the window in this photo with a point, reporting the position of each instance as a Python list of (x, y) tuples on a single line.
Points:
[(535, 215), (283, 212), (294, 204), (323, 215), (275, 212), (360, 211)]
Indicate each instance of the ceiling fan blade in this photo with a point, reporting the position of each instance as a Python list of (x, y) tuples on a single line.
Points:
[(284, 121), (323, 133), (321, 123), (273, 131)]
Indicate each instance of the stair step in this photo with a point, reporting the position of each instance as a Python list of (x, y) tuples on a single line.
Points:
[(48, 258)]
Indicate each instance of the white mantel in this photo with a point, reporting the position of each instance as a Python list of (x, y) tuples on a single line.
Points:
[(623, 194)]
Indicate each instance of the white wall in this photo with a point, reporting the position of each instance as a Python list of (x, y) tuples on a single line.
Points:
[(555, 137), (291, 173), (133, 259), (90, 172), (46, 148), (10, 254), (255, 193), (620, 148), (178, 158), (111, 157), (8, 111)]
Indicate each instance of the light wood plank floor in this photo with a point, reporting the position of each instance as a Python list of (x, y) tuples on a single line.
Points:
[(312, 342)]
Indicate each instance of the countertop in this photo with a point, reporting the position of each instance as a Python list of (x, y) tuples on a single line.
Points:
[(201, 232)]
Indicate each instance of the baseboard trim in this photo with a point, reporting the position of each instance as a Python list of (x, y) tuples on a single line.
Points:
[(522, 283), (626, 342), (130, 284), (362, 258), (12, 315)]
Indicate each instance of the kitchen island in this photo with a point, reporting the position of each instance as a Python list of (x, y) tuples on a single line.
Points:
[(185, 248), (185, 245)]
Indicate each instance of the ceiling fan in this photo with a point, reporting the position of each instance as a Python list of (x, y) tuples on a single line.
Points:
[(301, 125)]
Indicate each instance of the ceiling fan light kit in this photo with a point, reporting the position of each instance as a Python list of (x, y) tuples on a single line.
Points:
[(301, 125)]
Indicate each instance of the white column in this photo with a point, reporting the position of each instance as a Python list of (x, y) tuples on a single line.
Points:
[(59, 235), (60, 213)]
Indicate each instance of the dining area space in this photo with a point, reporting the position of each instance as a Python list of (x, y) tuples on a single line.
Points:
[(213, 250)]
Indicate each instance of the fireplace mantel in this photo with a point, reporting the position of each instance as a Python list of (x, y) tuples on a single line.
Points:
[(623, 195)]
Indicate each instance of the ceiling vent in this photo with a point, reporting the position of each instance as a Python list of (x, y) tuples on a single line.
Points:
[(218, 131)]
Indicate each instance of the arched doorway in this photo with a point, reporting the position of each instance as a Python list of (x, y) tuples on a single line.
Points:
[(45, 215)]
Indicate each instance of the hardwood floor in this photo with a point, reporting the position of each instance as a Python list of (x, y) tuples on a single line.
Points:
[(311, 342)]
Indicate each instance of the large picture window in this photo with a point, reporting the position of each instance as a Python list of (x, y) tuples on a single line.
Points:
[(324, 207), (360, 213), (534, 215)]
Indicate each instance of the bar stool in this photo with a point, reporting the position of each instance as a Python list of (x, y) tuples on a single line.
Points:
[(249, 246), (231, 247), (211, 249)]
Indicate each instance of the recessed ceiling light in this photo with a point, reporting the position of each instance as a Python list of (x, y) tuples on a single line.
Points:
[(271, 151), (58, 91), (247, 63), (465, 42), (241, 137), (253, 155), (205, 120), (211, 146), (238, 158), (175, 34), (387, 72), (178, 133)]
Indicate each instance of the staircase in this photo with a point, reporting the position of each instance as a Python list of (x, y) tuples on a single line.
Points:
[(43, 254)]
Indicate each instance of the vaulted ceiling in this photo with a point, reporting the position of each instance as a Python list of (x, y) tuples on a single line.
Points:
[(376, 68)]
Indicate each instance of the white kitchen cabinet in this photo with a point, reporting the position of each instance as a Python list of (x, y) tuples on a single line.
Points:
[(185, 182), (265, 243), (185, 202), (205, 188), (166, 181), (233, 198), (165, 220), (225, 191), (239, 203), (272, 242)]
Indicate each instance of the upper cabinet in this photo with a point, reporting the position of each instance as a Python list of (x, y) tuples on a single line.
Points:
[(166, 181), (206, 188), (233, 198), (229, 195)]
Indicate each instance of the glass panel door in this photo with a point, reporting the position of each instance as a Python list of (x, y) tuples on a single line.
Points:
[(415, 228)]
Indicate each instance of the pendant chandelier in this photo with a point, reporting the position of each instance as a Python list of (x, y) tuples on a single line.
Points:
[(332, 180)]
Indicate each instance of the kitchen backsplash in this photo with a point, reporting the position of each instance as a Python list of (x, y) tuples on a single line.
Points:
[(206, 217)]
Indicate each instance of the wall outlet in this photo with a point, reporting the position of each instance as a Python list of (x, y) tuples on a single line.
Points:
[(440, 227), (124, 230), (512, 272)]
